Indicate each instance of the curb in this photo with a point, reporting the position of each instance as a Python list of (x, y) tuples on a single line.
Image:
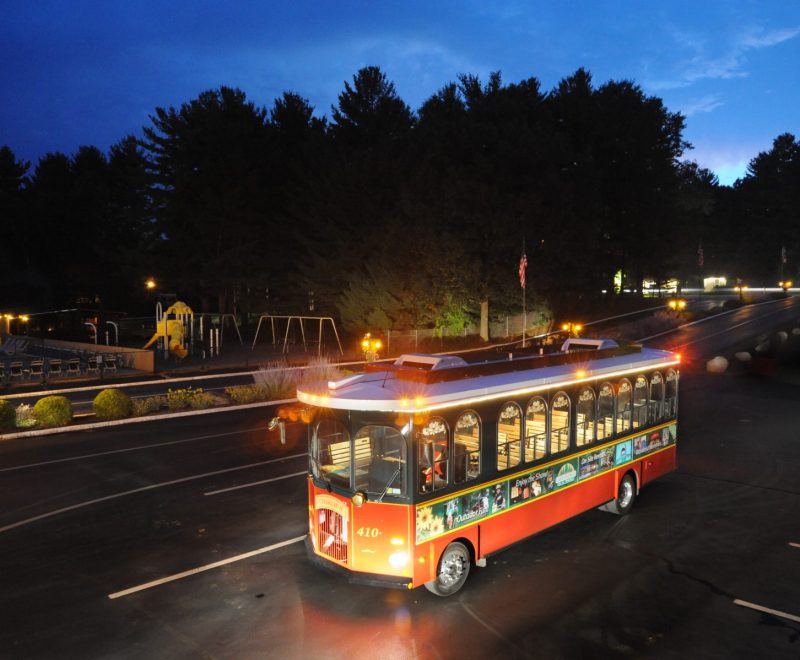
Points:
[(139, 420)]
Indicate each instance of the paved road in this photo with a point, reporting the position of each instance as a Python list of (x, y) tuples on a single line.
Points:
[(89, 515)]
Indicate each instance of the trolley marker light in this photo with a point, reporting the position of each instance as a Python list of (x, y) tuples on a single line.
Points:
[(422, 468)]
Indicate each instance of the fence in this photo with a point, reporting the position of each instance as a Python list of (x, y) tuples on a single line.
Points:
[(397, 342)]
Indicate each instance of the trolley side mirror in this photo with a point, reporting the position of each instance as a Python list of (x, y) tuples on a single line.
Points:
[(278, 423)]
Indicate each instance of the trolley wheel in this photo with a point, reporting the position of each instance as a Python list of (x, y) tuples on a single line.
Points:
[(452, 572), (626, 496)]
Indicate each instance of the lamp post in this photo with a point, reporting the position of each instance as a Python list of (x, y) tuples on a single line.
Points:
[(740, 288), (677, 305), (572, 329), (370, 346)]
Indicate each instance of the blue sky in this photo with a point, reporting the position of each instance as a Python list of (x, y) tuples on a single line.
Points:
[(79, 72)]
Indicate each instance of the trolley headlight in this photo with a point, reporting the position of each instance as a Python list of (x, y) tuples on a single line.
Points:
[(359, 498), (398, 559)]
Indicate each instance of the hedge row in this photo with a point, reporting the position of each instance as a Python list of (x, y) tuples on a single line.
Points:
[(272, 382)]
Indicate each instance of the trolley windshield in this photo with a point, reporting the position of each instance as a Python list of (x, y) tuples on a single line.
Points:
[(353, 454)]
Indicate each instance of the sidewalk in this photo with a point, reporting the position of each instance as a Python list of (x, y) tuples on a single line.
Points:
[(233, 359)]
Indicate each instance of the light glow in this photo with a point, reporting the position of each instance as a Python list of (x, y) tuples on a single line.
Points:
[(398, 559), (404, 405), (540, 388)]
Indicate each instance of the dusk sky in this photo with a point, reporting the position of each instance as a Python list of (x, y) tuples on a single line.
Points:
[(78, 72)]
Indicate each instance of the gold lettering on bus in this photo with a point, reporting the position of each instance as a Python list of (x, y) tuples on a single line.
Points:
[(323, 501)]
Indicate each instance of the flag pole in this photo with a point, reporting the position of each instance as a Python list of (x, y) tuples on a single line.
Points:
[(523, 267)]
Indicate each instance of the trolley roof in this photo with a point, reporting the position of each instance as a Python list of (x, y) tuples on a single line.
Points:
[(418, 382)]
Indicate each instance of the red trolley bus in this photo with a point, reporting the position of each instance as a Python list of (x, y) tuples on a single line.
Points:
[(422, 468)]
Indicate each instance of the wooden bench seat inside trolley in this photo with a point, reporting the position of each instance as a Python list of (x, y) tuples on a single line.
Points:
[(340, 455)]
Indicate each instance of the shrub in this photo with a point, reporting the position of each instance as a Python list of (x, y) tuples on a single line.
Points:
[(53, 411), (8, 416), (241, 394), (320, 370), (205, 400), (277, 381), (25, 417), (148, 405), (112, 404), (189, 397)]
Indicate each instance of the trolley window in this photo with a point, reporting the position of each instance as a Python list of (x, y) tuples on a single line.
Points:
[(467, 447), (509, 432), (536, 429), (559, 423), (585, 417), (331, 453), (432, 440), (605, 412)]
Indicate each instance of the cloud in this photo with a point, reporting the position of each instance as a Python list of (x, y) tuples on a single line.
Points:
[(726, 65), (705, 104), (773, 38)]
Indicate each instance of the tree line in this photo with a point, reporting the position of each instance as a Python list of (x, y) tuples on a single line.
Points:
[(388, 217)]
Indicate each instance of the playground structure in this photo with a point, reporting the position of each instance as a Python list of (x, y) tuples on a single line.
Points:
[(181, 332), (300, 322)]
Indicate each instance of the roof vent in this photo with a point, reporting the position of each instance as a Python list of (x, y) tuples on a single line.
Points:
[(426, 362), (576, 344)]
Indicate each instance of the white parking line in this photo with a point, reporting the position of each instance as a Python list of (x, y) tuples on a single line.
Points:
[(207, 567), (767, 610), (127, 449), (81, 505), (255, 483)]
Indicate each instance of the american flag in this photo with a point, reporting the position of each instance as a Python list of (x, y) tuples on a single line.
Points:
[(523, 265), (700, 255)]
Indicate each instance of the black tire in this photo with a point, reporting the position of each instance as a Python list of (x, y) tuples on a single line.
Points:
[(626, 496), (452, 572)]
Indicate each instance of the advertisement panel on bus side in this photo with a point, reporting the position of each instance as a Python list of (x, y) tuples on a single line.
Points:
[(440, 517)]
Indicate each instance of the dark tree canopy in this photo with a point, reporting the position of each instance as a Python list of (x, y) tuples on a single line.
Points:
[(389, 218)]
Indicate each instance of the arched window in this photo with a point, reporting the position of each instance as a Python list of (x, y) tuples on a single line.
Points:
[(509, 432), (535, 429), (671, 394), (624, 406), (605, 411), (559, 423), (656, 411), (432, 440), (585, 417), (640, 392), (467, 447)]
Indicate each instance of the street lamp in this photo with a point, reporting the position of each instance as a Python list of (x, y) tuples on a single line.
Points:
[(572, 329), (370, 346), (677, 305), (150, 284)]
